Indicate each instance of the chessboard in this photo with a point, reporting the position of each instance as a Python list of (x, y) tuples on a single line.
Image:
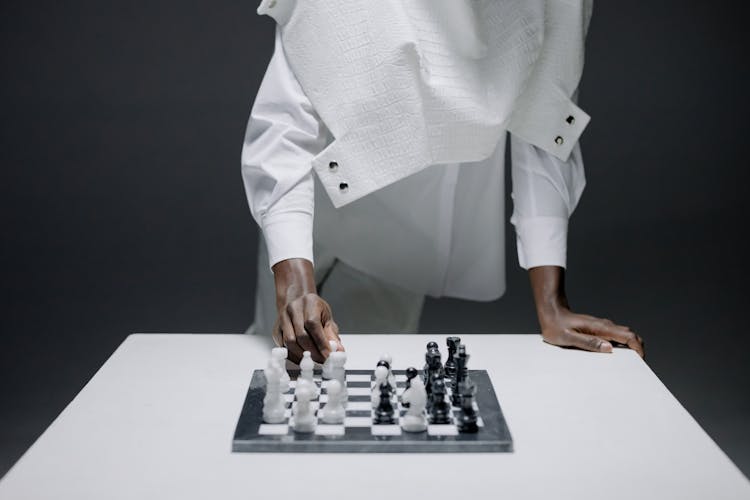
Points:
[(358, 433)]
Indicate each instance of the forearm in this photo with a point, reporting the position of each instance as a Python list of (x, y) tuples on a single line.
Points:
[(293, 279), (548, 288)]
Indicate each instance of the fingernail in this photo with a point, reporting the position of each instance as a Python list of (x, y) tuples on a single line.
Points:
[(605, 347)]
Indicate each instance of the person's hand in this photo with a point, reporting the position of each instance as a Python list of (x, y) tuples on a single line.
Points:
[(562, 327), (568, 329), (304, 320)]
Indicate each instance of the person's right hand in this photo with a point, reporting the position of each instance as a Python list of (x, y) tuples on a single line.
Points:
[(304, 320)]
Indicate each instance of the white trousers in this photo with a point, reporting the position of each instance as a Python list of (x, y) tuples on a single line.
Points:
[(360, 303)]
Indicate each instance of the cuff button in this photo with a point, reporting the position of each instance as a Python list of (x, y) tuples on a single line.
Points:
[(570, 119), (558, 140), (343, 187), (333, 166)]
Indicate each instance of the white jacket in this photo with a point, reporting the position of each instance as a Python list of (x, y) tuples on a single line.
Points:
[(398, 93)]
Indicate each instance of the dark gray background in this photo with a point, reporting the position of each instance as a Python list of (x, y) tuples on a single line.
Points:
[(123, 210)]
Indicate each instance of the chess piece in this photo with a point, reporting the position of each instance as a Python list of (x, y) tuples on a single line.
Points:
[(450, 363), (389, 364), (280, 354), (440, 409), (384, 411), (338, 372), (333, 412), (304, 416), (411, 374), (462, 372), (327, 364), (381, 378), (431, 346), (415, 399), (274, 404), (434, 373), (467, 417)]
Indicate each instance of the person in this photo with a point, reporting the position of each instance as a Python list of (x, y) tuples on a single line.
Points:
[(367, 257)]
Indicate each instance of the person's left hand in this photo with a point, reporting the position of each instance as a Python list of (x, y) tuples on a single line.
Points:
[(563, 327)]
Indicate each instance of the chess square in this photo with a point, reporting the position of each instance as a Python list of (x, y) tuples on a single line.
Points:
[(273, 429), (401, 377), (356, 377), (442, 430), (358, 391), (385, 430), (329, 430), (358, 406), (358, 421)]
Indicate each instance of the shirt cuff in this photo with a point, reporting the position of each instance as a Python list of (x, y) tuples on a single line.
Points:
[(288, 235), (542, 241)]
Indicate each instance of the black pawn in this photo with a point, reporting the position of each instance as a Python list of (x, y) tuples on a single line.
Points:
[(450, 363), (440, 409), (384, 411), (467, 417), (461, 374)]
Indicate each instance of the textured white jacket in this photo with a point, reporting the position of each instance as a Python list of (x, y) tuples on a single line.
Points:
[(406, 84), (439, 231)]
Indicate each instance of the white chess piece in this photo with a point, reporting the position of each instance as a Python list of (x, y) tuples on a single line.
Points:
[(274, 403), (327, 364), (304, 416), (416, 396), (338, 372), (381, 377), (333, 412), (280, 354), (306, 371), (391, 378)]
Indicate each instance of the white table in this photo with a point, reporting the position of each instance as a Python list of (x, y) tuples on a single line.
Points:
[(157, 421)]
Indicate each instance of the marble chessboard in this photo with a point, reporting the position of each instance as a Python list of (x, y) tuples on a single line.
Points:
[(358, 433)]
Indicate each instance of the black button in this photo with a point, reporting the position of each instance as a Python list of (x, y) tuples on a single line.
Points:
[(333, 166), (570, 119), (558, 140), (344, 187)]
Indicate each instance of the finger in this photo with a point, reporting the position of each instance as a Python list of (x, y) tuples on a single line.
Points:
[(332, 332), (276, 335), (289, 340), (314, 326), (606, 329), (294, 311), (585, 341)]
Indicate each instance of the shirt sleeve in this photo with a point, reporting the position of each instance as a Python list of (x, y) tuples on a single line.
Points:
[(546, 191), (283, 135)]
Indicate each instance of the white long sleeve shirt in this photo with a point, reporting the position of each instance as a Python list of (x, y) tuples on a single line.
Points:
[(439, 231)]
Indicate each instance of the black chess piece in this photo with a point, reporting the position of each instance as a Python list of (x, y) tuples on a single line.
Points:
[(450, 363), (431, 346), (434, 372), (462, 371), (411, 372), (384, 412), (467, 417), (440, 409)]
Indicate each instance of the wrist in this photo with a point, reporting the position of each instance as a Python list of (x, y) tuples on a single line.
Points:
[(548, 287), (293, 278)]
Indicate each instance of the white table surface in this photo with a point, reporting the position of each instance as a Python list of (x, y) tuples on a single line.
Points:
[(157, 420)]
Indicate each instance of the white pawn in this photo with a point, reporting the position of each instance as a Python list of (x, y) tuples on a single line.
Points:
[(327, 364), (274, 403), (391, 378), (416, 396), (304, 416), (306, 370), (381, 377), (333, 412), (280, 354), (338, 372)]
